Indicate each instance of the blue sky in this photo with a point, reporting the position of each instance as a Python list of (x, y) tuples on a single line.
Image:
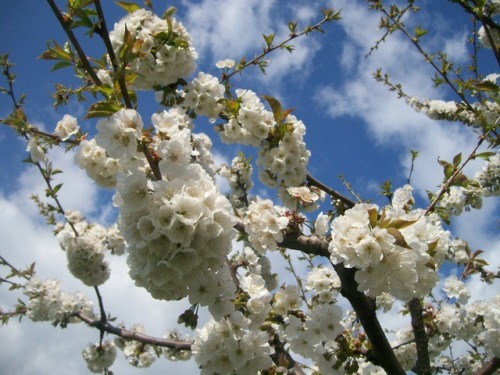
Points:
[(355, 127)]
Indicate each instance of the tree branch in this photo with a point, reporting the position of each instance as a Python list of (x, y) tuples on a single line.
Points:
[(423, 365), (490, 368), (383, 355), (104, 326)]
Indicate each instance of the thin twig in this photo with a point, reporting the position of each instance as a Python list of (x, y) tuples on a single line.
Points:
[(333, 193), (268, 50), (455, 174)]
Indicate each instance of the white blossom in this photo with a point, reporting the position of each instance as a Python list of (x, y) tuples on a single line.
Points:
[(66, 127)]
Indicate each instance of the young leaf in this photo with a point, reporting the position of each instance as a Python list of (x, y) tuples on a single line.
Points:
[(128, 6), (269, 39)]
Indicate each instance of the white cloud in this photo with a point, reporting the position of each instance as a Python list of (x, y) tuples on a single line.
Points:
[(390, 121), (219, 27), (233, 29)]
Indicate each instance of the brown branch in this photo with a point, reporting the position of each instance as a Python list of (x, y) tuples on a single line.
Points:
[(423, 365), (383, 354), (105, 326), (490, 368)]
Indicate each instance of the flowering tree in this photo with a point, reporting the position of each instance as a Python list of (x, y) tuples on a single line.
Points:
[(184, 239)]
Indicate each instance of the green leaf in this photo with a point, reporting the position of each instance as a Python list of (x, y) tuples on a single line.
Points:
[(60, 65), (457, 159), (275, 107), (56, 188), (485, 85), (418, 32), (269, 39), (460, 180), (128, 6), (448, 171), (485, 155), (102, 109)]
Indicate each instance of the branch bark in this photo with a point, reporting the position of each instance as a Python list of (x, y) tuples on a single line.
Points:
[(490, 368), (105, 326), (423, 365)]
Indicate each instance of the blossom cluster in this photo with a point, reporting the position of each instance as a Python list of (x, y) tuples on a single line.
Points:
[(230, 346), (162, 51), (258, 264), (285, 161), (249, 122), (389, 259), (475, 322), (178, 229), (66, 127), (203, 94), (99, 356), (312, 334), (451, 111), (99, 166), (48, 303), (301, 198), (239, 175), (489, 176), (283, 156), (85, 245), (264, 224)]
